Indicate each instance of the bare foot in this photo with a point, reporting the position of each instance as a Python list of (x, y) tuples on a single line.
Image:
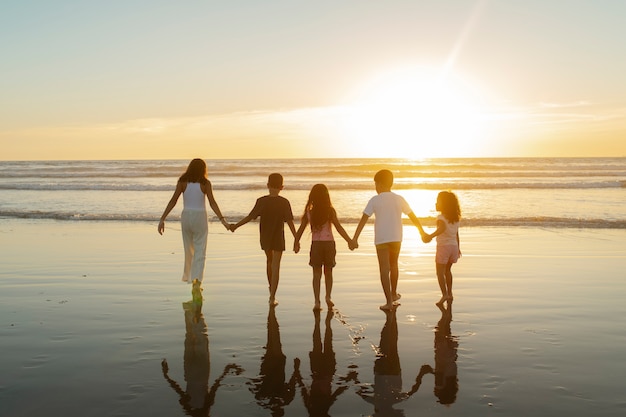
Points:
[(329, 302), (386, 306), (441, 301), (196, 292), (317, 306), (396, 298), (273, 301)]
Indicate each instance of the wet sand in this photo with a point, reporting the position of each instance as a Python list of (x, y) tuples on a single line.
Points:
[(90, 310)]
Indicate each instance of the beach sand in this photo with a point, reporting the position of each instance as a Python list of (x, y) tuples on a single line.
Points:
[(89, 310)]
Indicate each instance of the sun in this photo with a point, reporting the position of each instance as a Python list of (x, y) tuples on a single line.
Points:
[(415, 113)]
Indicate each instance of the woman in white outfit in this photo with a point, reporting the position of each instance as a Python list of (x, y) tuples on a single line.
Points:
[(194, 186)]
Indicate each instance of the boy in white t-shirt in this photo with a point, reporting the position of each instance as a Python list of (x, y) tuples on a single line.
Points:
[(387, 208)]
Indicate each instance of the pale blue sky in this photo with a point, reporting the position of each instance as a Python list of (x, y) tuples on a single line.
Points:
[(159, 79)]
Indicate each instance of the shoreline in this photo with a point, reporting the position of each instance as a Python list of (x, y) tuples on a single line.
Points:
[(90, 310)]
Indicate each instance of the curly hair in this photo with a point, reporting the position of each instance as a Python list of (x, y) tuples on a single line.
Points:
[(448, 205)]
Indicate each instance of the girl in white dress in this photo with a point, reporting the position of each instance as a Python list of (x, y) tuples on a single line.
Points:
[(194, 186)]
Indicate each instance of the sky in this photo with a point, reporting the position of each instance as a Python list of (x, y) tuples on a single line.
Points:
[(154, 79)]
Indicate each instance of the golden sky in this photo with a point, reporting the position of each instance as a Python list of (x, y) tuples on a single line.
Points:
[(266, 79)]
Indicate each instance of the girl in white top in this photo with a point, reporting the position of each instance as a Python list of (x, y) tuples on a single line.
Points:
[(194, 186), (320, 214), (448, 245)]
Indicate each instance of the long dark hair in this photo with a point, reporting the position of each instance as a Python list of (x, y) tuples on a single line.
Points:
[(449, 206), (319, 206), (196, 172)]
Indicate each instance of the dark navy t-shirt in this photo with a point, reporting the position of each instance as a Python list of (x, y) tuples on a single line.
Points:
[(274, 212)]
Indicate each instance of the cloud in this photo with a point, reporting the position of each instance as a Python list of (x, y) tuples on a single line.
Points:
[(274, 133)]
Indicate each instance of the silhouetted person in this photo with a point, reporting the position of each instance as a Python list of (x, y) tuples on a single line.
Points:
[(446, 345), (269, 388), (319, 397), (387, 208), (387, 373), (197, 398)]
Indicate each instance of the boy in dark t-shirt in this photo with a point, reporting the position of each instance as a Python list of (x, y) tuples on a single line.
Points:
[(274, 211)]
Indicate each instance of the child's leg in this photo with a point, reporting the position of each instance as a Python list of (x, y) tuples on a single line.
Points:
[(275, 275), (269, 255), (317, 277), (441, 279), (449, 281), (394, 254), (328, 279), (382, 253)]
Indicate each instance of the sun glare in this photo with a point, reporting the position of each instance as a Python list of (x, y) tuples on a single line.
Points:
[(414, 114)]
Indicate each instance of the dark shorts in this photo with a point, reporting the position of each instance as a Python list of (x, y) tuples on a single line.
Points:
[(322, 253)]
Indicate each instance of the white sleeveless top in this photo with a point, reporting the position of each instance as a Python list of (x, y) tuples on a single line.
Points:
[(448, 237), (193, 197)]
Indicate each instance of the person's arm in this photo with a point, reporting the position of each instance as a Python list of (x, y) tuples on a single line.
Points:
[(180, 186), (359, 228), (254, 213), (441, 227), (165, 368), (241, 222), (458, 242), (417, 223), (303, 223), (292, 227), (425, 369), (214, 206), (288, 217), (341, 230)]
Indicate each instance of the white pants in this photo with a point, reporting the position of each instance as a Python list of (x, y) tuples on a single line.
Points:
[(195, 228)]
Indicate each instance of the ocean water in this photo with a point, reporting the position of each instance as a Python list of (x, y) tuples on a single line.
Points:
[(92, 295), (534, 192)]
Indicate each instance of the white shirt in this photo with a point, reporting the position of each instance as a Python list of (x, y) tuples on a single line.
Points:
[(387, 208)]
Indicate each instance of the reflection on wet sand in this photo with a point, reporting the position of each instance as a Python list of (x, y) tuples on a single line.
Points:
[(387, 389), (319, 397), (446, 345), (269, 388), (197, 398)]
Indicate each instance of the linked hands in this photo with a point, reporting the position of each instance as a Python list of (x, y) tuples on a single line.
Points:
[(226, 224)]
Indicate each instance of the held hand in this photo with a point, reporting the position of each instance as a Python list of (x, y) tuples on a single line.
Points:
[(426, 369), (161, 227), (232, 227), (426, 238), (296, 246), (353, 244)]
